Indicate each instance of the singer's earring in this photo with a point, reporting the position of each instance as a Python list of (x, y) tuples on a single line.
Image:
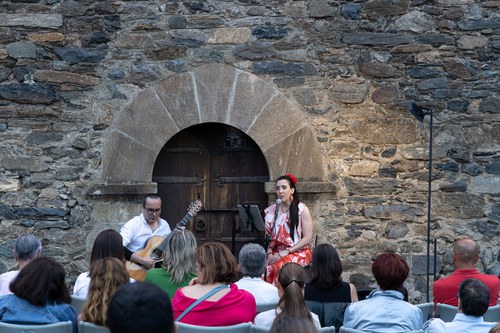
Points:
[(291, 197)]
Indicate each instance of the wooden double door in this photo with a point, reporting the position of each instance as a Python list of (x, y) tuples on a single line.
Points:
[(224, 168)]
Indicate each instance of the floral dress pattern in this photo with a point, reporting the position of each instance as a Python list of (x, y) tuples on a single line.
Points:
[(281, 239)]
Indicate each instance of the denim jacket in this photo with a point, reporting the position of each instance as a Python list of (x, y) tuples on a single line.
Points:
[(384, 311), (16, 310)]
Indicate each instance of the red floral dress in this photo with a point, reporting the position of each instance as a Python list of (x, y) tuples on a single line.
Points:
[(281, 240)]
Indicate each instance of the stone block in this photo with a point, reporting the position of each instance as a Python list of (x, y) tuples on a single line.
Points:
[(434, 83), (255, 51), (396, 230), (378, 70), (269, 32), (419, 265), (377, 38), (50, 21), (489, 23), (135, 41), (363, 168), (320, 9), (350, 93), (490, 105), (385, 130), (388, 94), (230, 36), (377, 8), (458, 205), (22, 49), (49, 224), (366, 187), (242, 110), (74, 55), (471, 42), (48, 76), (390, 212), (283, 68), (485, 184), (425, 72), (29, 93), (351, 11), (190, 38), (49, 37), (32, 164), (416, 21)]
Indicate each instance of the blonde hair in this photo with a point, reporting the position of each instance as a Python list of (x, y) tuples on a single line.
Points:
[(106, 275), (178, 260)]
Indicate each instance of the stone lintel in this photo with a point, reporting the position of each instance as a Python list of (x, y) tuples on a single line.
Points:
[(122, 189), (306, 187)]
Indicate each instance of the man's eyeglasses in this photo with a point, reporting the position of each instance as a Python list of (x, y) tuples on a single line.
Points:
[(152, 210)]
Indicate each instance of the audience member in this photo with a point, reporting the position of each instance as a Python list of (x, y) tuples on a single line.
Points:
[(40, 296), (293, 325), (495, 329), (465, 256), (327, 295), (291, 282), (108, 243), (140, 307), (219, 301), (137, 231), (473, 299), (27, 248), (384, 310), (252, 259), (178, 266), (106, 275)]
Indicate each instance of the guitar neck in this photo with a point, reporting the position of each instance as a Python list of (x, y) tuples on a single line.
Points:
[(182, 223)]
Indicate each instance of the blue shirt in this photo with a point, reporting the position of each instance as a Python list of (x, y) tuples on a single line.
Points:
[(16, 310), (461, 323), (384, 311)]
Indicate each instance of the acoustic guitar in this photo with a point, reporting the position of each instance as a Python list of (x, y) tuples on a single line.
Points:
[(156, 245)]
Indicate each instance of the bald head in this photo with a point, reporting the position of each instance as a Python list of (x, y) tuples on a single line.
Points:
[(465, 253)]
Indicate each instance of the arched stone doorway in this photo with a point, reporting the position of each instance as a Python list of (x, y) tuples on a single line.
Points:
[(225, 168), (211, 93)]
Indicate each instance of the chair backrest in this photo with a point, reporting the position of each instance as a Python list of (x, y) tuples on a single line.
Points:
[(86, 327), (427, 309), (445, 312), (259, 329), (363, 292), (266, 307), (493, 314), (328, 329), (187, 328), (349, 330), (62, 327), (78, 303)]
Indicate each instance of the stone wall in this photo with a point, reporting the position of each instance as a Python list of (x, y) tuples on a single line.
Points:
[(69, 68)]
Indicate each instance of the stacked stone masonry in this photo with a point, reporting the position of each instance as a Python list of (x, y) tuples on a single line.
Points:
[(70, 69)]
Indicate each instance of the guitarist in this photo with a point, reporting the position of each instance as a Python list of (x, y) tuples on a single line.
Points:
[(138, 231)]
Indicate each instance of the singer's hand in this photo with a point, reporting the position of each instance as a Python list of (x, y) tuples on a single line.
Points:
[(274, 258)]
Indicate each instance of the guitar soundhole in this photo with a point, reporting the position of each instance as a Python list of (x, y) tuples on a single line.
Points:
[(157, 254)]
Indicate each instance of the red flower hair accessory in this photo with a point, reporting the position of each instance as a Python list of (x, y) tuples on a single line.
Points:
[(293, 179)]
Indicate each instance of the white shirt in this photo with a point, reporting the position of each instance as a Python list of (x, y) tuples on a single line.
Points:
[(266, 318), (460, 324), (5, 280), (263, 292), (82, 284), (136, 232)]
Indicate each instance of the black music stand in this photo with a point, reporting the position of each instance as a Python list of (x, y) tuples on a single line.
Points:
[(250, 214)]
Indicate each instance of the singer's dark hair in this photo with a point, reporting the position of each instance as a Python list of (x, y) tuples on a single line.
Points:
[(294, 205)]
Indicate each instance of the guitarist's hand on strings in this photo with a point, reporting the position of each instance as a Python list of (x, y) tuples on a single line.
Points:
[(145, 261)]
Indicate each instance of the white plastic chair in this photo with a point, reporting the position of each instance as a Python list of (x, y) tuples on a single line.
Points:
[(493, 314), (349, 330), (329, 329), (427, 309), (86, 327), (259, 329), (187, 328), (78, 303), (445, 312), (62, 327), (266, 307)]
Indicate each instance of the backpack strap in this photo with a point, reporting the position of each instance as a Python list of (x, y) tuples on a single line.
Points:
[(199, 300)]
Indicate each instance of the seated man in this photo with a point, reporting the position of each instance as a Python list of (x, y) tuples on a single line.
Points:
[(465, 256), (384, 310), (140, 229), (27, 248), (140, 307), (473, 298), (252, 260)]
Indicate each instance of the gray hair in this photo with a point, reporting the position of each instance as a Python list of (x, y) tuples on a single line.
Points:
[(179, 258), (27, 247), (252, 259)]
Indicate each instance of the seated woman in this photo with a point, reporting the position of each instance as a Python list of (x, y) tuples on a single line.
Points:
[(291, 282), (106, 275), (40, 296), (217, 270), (107, 244), (384, 310), (178, 266), (327, 295)]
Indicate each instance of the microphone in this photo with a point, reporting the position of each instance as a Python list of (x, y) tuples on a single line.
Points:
[(278, 203)]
